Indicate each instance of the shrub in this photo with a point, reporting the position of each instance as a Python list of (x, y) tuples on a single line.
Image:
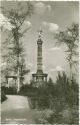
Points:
[(3, 96), (9, 91)]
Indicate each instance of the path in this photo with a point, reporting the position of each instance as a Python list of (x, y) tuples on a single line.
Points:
[(16, 110)]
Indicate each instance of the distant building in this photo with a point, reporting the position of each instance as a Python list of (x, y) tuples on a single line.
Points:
[(39, 77)]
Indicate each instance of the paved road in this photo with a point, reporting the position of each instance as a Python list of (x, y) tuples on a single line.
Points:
[(16, 110)]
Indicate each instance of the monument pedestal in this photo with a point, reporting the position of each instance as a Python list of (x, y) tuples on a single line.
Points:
[(39, 78)]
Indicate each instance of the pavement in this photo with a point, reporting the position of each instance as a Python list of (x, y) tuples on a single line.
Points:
[(16, 110)]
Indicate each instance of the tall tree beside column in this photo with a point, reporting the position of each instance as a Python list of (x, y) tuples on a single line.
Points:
[(70, 37), (17, 17)]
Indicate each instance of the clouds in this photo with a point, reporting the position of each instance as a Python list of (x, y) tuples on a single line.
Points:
[(30, 64), (55, 49), (57, 68), (4, 22), (44, 67), (26, 25), (52, 27), (41, 8)]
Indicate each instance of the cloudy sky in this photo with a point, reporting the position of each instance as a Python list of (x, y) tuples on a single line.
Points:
[(52, 17)]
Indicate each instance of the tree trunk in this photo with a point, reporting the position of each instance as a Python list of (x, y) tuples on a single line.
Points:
[(16, 37), (71, 73), (18, 81)]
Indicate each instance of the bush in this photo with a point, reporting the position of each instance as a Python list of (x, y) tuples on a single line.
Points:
[(9, 91), (52, 95), (58, 97), (3, 96), (67, 89), (28, 90)]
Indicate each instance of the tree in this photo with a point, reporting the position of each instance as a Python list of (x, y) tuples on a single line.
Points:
[(16, 18), (70, 37)]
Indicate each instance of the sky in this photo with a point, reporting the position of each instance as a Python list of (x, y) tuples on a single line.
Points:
[(51, 17)]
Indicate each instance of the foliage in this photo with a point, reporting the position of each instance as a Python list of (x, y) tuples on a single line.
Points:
[(9, 91), (41, 116), (14, 57), (65, 117), (70, 37), (60, 97), (3, 96)]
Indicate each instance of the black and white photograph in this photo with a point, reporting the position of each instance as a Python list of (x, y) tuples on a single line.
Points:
[(39, 62)]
